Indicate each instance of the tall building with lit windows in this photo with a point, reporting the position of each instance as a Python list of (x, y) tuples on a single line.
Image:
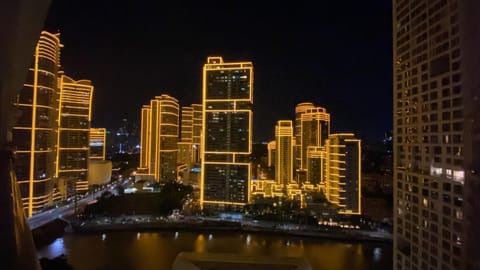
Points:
[(97, 143), (299, 110), (197, 132), (227, 133), (185, 144), (436, 134), (159, 137), (34, 134), (186, 127), (284, 152), (343, 172), (74, 116), (190, 134), (316, 163), (315, 128), (144, 139), (272, 153)]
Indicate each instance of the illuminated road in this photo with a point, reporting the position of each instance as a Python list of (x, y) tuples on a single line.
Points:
[(43, 218)]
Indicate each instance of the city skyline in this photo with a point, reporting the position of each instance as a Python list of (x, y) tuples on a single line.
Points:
[(319, 60), (259, 134)]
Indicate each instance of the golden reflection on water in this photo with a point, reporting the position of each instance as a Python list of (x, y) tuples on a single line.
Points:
[(200, 243), (157, 250)]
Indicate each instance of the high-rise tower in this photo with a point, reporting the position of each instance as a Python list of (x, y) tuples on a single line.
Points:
[(74, 116), (284, 152), (185, 145), (315, 128), (343, 172), (227, 132), (145, 134), (197, 132), (34, 134), (297, 149), (436, 134), (272, 153), (159, 137), (98, 143)]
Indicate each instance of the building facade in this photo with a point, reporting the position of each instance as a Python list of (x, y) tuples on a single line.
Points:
[(159, 137), (145, 134), (284, 152), (227, 133), (74, 116), (343, 172), (436, 134), (34, 133), (98, 143), (315, 128), (197, 132), (299, 110), (272, 153), (316, 165), (185, 145)]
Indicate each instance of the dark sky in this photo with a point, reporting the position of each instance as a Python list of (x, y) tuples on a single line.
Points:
[(336, 54)]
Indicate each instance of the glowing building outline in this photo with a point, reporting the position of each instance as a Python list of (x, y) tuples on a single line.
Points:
[(299, 110), (159, 138), (338, 189), (44, 78), (213, 107), (284, 152), (272, 153), (185, 145), (74, 117), (145, 134), (197, 132), (98, 137), (317, 118), (316, 155)]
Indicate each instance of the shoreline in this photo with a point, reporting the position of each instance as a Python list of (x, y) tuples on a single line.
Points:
[(340, 235)]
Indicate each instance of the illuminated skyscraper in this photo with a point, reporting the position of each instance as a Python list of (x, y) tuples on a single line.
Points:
[(436, 134), (74, 117), (185, 145), (187, 125), (284, 152), (191, 130), (272, 153), (227, 130), (144, 140), (299, 110), (197, 132), (343, 172), (34, 134), (159, 137), (97, 143), (315, 128), (316, 162)]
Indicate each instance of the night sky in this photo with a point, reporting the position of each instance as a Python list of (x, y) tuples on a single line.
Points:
[(336, 54)]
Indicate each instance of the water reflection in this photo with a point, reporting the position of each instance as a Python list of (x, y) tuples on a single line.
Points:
[(200, 243), (377, 254), (157, 250), (55, 249)]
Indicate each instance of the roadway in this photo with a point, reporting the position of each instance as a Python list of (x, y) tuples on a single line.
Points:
[(66, 210)]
